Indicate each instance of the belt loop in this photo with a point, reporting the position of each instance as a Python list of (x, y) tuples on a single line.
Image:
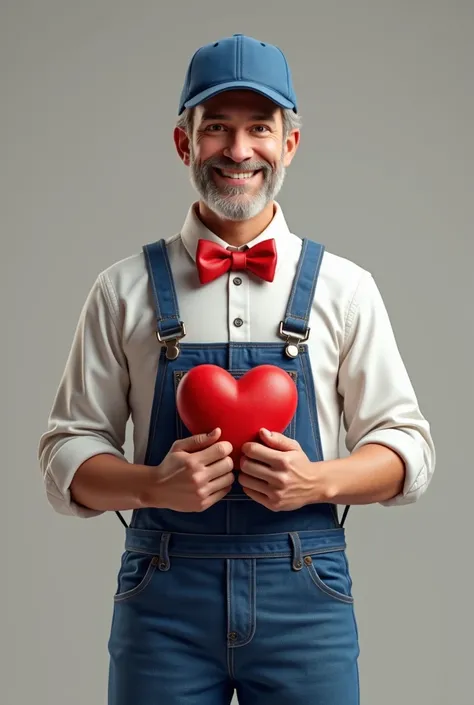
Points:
[(164, 563), (297, 562)]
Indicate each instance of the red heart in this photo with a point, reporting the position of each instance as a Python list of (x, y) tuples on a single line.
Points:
[(209, 397)]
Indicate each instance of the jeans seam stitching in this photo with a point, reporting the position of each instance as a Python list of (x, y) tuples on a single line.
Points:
[(121, 597), (236, 556), (313, 573), (252, 612)]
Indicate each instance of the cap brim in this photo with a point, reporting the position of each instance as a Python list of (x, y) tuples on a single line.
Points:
[(240, 85)]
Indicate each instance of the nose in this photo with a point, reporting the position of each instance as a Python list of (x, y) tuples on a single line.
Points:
[(238, 148)]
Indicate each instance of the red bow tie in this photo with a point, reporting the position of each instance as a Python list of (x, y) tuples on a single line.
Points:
[(213, 260)]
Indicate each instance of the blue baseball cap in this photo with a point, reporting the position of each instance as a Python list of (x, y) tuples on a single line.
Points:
[(238, 62)]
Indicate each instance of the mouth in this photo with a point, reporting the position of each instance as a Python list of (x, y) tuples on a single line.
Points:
[(236, 178)]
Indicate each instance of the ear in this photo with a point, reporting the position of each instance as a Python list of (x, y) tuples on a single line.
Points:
[(182, 144), (291, 145)]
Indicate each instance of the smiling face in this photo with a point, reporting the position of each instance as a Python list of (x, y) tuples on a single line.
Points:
[(238, 153)]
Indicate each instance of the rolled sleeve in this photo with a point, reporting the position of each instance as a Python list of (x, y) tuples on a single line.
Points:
[(379, 403), (62, 468), (90, 411)]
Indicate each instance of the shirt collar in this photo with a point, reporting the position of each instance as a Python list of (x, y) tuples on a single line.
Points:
[(194, 229)]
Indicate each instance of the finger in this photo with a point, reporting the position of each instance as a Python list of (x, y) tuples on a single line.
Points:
[(258, 497), (278, 441), (195, 443), (257, 470), (252, 483), (215, 498), (219, 468), (216, 452), (263, 454), (221, 483)]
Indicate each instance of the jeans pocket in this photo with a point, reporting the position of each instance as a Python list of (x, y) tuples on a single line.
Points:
[(135, 575), (330, 574)]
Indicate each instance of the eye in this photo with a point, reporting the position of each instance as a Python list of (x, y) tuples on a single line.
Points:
[(213, 127), (261, 129)]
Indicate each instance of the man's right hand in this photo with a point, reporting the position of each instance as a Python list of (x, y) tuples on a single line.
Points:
[(195, 474)]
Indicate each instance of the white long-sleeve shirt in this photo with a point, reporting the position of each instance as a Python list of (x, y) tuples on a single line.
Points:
[(110, 373)]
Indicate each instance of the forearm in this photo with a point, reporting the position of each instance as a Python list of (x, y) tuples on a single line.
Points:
[(373, 473), (107, 483)]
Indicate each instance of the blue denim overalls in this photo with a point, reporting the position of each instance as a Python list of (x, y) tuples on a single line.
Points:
[(236, 598)]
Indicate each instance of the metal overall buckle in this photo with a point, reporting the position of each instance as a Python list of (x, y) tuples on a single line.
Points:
[(293, 340), (171, 342)]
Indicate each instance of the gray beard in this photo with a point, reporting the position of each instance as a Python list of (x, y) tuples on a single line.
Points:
[(232, 202)]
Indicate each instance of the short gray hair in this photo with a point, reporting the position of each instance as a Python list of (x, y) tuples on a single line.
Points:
[(291, 121)]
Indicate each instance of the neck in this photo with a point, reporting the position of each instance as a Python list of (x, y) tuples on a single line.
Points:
[(236, 232)]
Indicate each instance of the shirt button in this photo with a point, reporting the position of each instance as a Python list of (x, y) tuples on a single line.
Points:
[(232, 636), (238, 322), (237, 281)]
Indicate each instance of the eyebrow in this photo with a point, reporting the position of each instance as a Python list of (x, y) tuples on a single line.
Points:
[(258, 117)]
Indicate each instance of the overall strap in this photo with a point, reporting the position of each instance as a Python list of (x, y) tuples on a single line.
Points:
[(169, 328), (295, 326)]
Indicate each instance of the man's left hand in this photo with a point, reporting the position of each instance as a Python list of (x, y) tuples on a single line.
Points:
[(278, 474)]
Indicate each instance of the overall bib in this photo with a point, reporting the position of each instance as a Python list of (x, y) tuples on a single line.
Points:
[(236, 598)]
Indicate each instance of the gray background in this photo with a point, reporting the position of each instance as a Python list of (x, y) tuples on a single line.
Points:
[(384, 176)]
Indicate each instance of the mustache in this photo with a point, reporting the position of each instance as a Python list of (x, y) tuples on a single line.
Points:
[(219, 163)]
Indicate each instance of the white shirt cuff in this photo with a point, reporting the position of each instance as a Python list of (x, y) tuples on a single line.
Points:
[(62, 468), (416, 473)]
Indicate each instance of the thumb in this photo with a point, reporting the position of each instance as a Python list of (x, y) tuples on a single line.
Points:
[(197, 442), (278, 441)]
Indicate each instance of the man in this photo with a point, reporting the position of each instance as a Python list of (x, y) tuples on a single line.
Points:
[(234, 575)]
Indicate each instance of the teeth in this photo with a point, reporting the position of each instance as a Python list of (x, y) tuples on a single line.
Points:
[(233, 175)]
